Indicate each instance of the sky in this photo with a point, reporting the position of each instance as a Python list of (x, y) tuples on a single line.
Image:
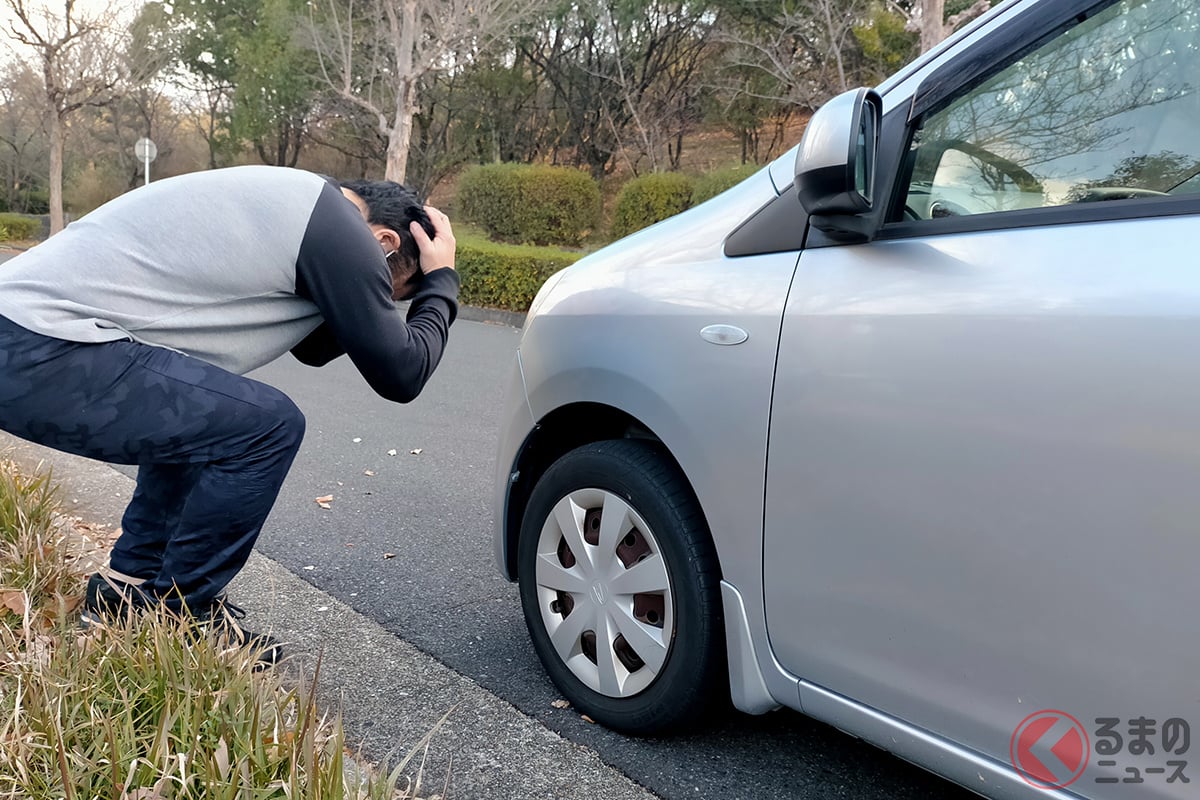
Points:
[(124, 9)]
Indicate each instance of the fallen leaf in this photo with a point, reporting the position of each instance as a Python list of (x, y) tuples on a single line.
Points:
[(389, 555), (561, 704), (391, 452), (14, 602), (415, 452), (586, 718), (370, 473), (325, 500)]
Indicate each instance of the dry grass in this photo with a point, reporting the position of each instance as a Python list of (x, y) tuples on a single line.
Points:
[(150, 709)]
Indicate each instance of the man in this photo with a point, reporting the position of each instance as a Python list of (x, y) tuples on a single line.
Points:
[(125, 338)]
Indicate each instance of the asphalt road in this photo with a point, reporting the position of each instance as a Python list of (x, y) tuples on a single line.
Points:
[(410, 547)]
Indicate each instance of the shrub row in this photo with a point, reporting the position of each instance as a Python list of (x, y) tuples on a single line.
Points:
[(712, 184), (17, 227), (530, 204), (505, 276), (648, 199), (545, 205)]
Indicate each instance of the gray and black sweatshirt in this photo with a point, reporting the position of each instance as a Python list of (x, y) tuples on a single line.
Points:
[(237, 267)]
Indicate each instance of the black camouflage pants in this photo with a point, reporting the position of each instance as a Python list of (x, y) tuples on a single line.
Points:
[(212, 448)]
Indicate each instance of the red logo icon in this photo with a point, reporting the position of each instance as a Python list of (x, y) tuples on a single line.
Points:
[(1050, 749)]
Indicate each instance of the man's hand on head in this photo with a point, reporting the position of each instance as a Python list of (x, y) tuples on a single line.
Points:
[(438, 252)]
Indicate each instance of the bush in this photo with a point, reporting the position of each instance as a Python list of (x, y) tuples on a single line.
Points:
[(505, 276), (710, 185), (649, 199), (525, 204), (17, 227)]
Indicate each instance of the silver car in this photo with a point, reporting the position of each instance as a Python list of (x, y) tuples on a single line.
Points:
[(903, 432)]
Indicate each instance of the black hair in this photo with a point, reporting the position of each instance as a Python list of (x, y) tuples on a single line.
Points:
[(395, 206)]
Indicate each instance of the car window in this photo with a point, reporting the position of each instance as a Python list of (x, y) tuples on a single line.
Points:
[(1106, 110)]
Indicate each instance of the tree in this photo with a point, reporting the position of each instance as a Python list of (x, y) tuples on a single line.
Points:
[(145, 104), (660, 47), (78, 56), (937, 19), (623, 76), (884, 42), (275, 89), (23, 158), (800, 46), (375, 54)]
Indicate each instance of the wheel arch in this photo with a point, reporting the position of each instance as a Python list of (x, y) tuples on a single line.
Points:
[(556, 434)]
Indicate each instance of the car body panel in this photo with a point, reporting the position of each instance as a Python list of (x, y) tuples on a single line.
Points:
[(950, 413)]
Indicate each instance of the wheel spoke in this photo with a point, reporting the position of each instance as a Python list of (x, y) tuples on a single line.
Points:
[(614, 524), (646, 577), (566, 636), (645, 643), (606, 658), (569, 518), (553, 575)]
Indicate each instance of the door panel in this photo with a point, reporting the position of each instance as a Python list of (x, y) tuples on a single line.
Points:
[(983, 483)]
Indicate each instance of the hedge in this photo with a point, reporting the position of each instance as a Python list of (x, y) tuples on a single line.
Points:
[(530, 204), (505, 276), (712, 184), (649, 199), (17, 227)]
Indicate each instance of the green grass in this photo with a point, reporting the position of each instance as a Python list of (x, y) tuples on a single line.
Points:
[(150, 709)]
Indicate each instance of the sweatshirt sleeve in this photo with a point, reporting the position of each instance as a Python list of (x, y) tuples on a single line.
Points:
[(319, 347), (341, 268)]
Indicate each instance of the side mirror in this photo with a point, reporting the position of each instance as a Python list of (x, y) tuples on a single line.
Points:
[(835, 165)]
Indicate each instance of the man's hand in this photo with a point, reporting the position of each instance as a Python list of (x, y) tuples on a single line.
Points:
[(438, 252)]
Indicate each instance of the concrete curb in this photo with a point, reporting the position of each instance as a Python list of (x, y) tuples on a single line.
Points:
[(493, 315), (390, 693)]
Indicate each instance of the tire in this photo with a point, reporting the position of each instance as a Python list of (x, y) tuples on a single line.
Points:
[(646, 654)]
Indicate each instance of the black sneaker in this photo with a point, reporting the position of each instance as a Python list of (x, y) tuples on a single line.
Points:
[(224, 618), (107, 599)]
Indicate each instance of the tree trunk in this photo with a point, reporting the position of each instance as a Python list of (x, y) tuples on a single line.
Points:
[(400, 136), (403, 28), (933, 27), (57, 223)]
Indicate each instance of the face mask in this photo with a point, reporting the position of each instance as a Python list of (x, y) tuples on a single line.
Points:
[(389, 255)]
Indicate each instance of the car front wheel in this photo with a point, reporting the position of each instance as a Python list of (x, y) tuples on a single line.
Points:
[(620, 587)]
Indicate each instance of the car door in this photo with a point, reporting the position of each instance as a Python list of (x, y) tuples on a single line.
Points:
[(983, 484)]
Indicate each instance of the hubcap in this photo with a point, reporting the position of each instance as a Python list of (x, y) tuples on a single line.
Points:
[(604, 592)]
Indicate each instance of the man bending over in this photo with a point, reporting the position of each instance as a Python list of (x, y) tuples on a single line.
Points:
[(125, 338)]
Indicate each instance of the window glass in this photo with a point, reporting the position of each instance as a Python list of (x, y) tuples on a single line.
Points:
[(1108, 110)]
